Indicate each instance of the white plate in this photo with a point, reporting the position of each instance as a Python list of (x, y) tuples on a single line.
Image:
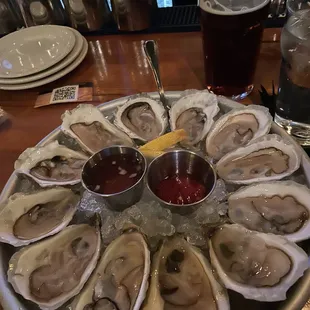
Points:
[(53, 77), (34, 49), (56, 68)]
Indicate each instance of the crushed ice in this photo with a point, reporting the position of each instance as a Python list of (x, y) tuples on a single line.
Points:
[(188, 228), (155, 221), (219, 193), (152, 220)]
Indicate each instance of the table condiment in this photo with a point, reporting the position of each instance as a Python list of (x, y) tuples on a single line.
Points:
[(114, 174), (180, 190)]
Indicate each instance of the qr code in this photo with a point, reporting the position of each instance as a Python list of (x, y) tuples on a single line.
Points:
[(65, 94)]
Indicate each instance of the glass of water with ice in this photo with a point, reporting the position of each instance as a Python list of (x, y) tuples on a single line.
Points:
[(293, 102)]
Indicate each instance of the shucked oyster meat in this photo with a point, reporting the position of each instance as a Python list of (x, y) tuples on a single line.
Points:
[(91, 129), (267, 158), (26, 218), (194, 112), (258, 266), (52, 164), (182, 278), (237, 128), (120, 280), (142, 117), (50, 272), (281, 208)]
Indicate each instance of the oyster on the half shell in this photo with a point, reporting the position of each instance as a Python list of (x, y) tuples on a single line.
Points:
[(267, 158), (26, 218), (52, 271), (142, 117), (182, 278), (120, 280), (52, 164), (237, 128), (259, 266), (280, 207), (194, 112), (91, 129)]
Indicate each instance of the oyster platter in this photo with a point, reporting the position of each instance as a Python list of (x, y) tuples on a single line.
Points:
[(242, 244)]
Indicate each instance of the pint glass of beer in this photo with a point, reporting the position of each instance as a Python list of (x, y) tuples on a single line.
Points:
[(232, 32)]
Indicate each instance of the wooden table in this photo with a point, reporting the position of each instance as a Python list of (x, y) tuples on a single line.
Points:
[(117, 67)]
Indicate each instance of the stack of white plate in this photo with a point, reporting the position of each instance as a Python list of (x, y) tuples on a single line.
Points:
[(35, 56)]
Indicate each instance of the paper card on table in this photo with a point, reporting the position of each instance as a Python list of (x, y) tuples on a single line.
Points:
[(65, 94), (68, 93)]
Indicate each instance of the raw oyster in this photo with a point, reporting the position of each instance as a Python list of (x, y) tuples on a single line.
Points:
[(120, 280), (182, 278), (142, 117), (258, 266), (237, 128), (91, 129), (26, 218), (52, 164), (280, 207), (51, 271), (194, 112), (267, 158)]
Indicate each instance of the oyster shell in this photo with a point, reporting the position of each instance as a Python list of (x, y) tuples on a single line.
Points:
[(26, 218), (280, 207), (194, 112), (52, 164), (237, 128), (267, 158), (182, 278), (51, 271), (258, 266), (91, 129), (120, 280), (142, 117)]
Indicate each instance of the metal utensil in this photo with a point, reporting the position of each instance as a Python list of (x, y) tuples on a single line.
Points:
[(151, 51), (128, 197), (181, 163)]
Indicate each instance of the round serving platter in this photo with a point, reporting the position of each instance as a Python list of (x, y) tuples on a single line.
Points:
[(297, 296)]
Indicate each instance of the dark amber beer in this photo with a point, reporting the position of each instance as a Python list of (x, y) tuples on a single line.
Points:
[(231, 42)]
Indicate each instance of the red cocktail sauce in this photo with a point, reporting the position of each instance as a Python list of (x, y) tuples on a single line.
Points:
[(180, 190)]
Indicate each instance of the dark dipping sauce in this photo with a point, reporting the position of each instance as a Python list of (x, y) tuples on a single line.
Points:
[(180, 190), (114, 174)]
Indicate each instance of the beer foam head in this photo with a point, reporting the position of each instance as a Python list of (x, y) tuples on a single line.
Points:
[(231, 7)]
